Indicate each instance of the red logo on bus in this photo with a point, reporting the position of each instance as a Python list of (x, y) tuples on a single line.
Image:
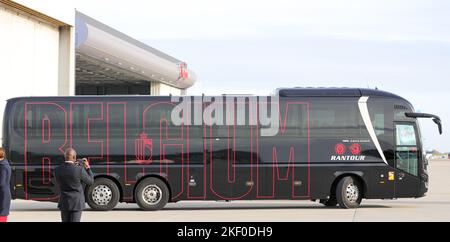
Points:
[(340, 149), (355, 149), (143, 149)]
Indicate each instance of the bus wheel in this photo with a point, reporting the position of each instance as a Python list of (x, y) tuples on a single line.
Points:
[(348, 193), (332, 202), (152, 194), (103, 195)]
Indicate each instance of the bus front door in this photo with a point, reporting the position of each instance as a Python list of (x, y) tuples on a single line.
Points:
[(406, 160)]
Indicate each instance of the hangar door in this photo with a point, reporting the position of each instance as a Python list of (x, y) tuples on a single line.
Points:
[(29, 52)]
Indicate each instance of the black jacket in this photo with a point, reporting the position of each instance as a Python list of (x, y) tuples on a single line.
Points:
[(71, 180), (5, 187)]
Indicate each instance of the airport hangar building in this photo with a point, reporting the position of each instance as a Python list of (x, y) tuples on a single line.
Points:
[(47, 48)]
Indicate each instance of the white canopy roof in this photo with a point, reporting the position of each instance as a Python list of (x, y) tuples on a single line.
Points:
[(105, 54)]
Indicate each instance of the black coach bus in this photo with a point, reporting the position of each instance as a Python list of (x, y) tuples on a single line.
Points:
[(336, 146)]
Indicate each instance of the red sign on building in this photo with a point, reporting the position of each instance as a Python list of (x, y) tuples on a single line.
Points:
[(184, 73)]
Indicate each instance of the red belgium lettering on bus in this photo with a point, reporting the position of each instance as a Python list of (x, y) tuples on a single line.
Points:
[(102, 130)]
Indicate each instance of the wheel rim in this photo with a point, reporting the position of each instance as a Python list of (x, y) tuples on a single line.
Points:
[(152, 194), (102, 195), (352, 193)]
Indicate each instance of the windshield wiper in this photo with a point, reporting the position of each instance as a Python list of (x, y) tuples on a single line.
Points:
[(436, 119)]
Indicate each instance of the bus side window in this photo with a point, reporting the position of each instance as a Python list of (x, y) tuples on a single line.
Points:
[(335, 119), (382, 116), (35, 116), (378, 123)]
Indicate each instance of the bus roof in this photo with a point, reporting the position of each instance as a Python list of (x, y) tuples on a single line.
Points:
[(334, 92), (282, 92)]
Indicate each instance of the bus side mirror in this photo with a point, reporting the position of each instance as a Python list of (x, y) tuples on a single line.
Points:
[(439, 124), (435, 118)]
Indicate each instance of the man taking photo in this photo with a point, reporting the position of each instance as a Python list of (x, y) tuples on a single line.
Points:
[(71, 179)]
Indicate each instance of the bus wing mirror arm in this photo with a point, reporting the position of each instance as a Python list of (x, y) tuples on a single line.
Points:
[(436, 119)]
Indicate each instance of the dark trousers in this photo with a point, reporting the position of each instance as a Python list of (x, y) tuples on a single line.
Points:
[(71, 216)]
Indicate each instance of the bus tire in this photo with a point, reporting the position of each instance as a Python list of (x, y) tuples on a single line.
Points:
[(103, 195), (152, 194), (348, 193)]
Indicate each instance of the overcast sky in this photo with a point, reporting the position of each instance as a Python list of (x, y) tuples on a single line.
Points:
[(256, 46)]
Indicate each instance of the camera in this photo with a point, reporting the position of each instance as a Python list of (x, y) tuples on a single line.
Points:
[(80, 162)]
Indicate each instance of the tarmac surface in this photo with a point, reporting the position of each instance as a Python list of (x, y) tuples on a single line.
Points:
[(434, 207)]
